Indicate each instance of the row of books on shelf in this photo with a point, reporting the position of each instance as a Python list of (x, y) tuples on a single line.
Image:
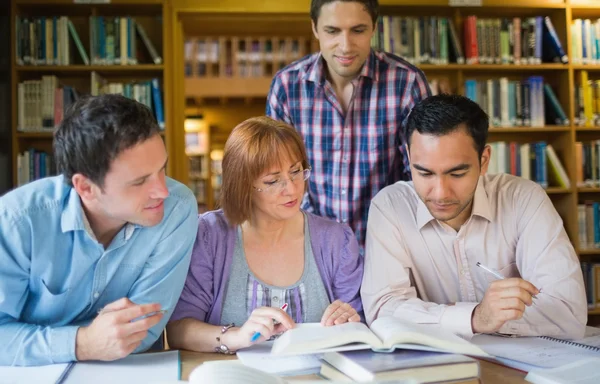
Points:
[(45, 41), (536, 161), (41, 104), (591, 280), (587, 101), (436, 40), (529, 102), (33, 165), (203, 56), (198, 187), (585, 41)]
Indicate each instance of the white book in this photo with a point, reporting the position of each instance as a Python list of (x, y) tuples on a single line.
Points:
[(385, 335)]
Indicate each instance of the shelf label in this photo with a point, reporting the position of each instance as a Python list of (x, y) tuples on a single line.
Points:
[(465, 3)]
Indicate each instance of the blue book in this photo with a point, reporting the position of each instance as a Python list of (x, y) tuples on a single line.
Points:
[(422, 366)]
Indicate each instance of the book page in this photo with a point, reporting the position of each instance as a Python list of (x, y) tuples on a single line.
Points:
[(139, 368), (230, 372), (532, 351), (259, 357), (398, 333), (45, 374), (581, 372), (313, 337)]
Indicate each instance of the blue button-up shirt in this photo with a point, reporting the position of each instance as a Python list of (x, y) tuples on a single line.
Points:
[(55, 276)]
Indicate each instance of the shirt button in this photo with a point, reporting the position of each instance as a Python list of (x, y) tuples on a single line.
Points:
[(96, 295), (275, 298), (343, 191)]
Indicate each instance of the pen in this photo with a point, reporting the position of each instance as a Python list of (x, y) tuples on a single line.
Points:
[(256, 335), (493, 272)]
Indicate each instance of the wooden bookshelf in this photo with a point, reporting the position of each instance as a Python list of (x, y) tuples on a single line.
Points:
[(227, 101), (151, 15)]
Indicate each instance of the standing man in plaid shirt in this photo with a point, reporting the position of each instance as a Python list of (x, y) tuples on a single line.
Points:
[(350, 104)]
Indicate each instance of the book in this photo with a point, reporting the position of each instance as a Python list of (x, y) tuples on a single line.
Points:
[(385, 334), (142, 368), (527, 353), (233, 372), (424, 366), (580, 372), (259, 357)]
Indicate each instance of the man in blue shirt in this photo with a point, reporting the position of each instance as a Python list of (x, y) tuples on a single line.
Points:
[(111, 233)]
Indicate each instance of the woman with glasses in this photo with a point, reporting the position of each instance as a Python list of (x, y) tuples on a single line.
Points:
[(260, 264)]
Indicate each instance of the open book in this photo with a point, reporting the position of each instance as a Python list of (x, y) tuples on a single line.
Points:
[(234, 372), (385, 335)]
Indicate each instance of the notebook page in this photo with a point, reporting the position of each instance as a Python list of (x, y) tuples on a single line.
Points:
[(139, 368), (395, 332), (45, 374), (532, 350), (259, 357), (581, 372), (309, 338)]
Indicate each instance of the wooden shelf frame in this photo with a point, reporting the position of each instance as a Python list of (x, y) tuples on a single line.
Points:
[(78, 74)]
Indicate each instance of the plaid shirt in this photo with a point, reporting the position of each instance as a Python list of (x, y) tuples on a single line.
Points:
[(354, 154)]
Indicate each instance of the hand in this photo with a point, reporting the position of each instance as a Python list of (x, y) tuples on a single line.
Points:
[(112, 335), (261, 321), (504, 300), (339, 312)]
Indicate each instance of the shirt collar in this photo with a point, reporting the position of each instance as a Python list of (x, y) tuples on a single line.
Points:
[(316, 73), (481, 207), (73, 218)]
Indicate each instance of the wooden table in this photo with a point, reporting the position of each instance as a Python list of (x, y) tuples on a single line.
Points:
[(490, 373)]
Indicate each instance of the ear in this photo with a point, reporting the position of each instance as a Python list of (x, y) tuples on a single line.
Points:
[(314, 29), (84, 187), (485, 159)]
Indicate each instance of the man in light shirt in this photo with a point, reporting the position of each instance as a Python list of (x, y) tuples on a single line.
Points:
[(112, 233), (425, 237)]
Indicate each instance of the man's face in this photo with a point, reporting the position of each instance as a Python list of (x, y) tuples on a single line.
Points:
[(134, 187), (344, 31), (445, 171)]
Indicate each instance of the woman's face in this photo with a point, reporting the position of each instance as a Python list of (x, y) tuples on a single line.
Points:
[(278, 191)]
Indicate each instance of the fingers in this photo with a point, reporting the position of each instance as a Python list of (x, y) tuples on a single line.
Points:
[(515, 282), (118, 305), (329, 311), (354, 318), (143, 324), (339, 313), (518, 293), (274, 314)]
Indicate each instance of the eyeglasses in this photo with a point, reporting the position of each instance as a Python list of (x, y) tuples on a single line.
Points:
[(279, 185)]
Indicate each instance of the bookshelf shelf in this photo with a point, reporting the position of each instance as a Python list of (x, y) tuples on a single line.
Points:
[(89, 68), (588, 190), (557, 190), (589, 252), (46, 135), (594, 312), (587, 67), (529, 129)]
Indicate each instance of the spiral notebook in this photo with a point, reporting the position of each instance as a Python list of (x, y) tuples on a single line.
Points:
[(526, 353)]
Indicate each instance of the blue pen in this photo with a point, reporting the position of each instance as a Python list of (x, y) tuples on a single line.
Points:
[(256, 335)]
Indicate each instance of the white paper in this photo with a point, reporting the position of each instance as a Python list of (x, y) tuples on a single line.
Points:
[(140, 368), (259, 357), (45, 374), (581, 372)]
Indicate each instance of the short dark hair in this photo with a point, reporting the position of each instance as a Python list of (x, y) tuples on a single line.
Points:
[(442, 114), (372, 6), (95, 130)]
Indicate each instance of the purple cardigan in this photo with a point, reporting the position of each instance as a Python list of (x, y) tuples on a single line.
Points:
[(334, 246)]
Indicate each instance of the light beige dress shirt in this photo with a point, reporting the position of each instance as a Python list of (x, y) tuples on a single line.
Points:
[(422, 270)]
